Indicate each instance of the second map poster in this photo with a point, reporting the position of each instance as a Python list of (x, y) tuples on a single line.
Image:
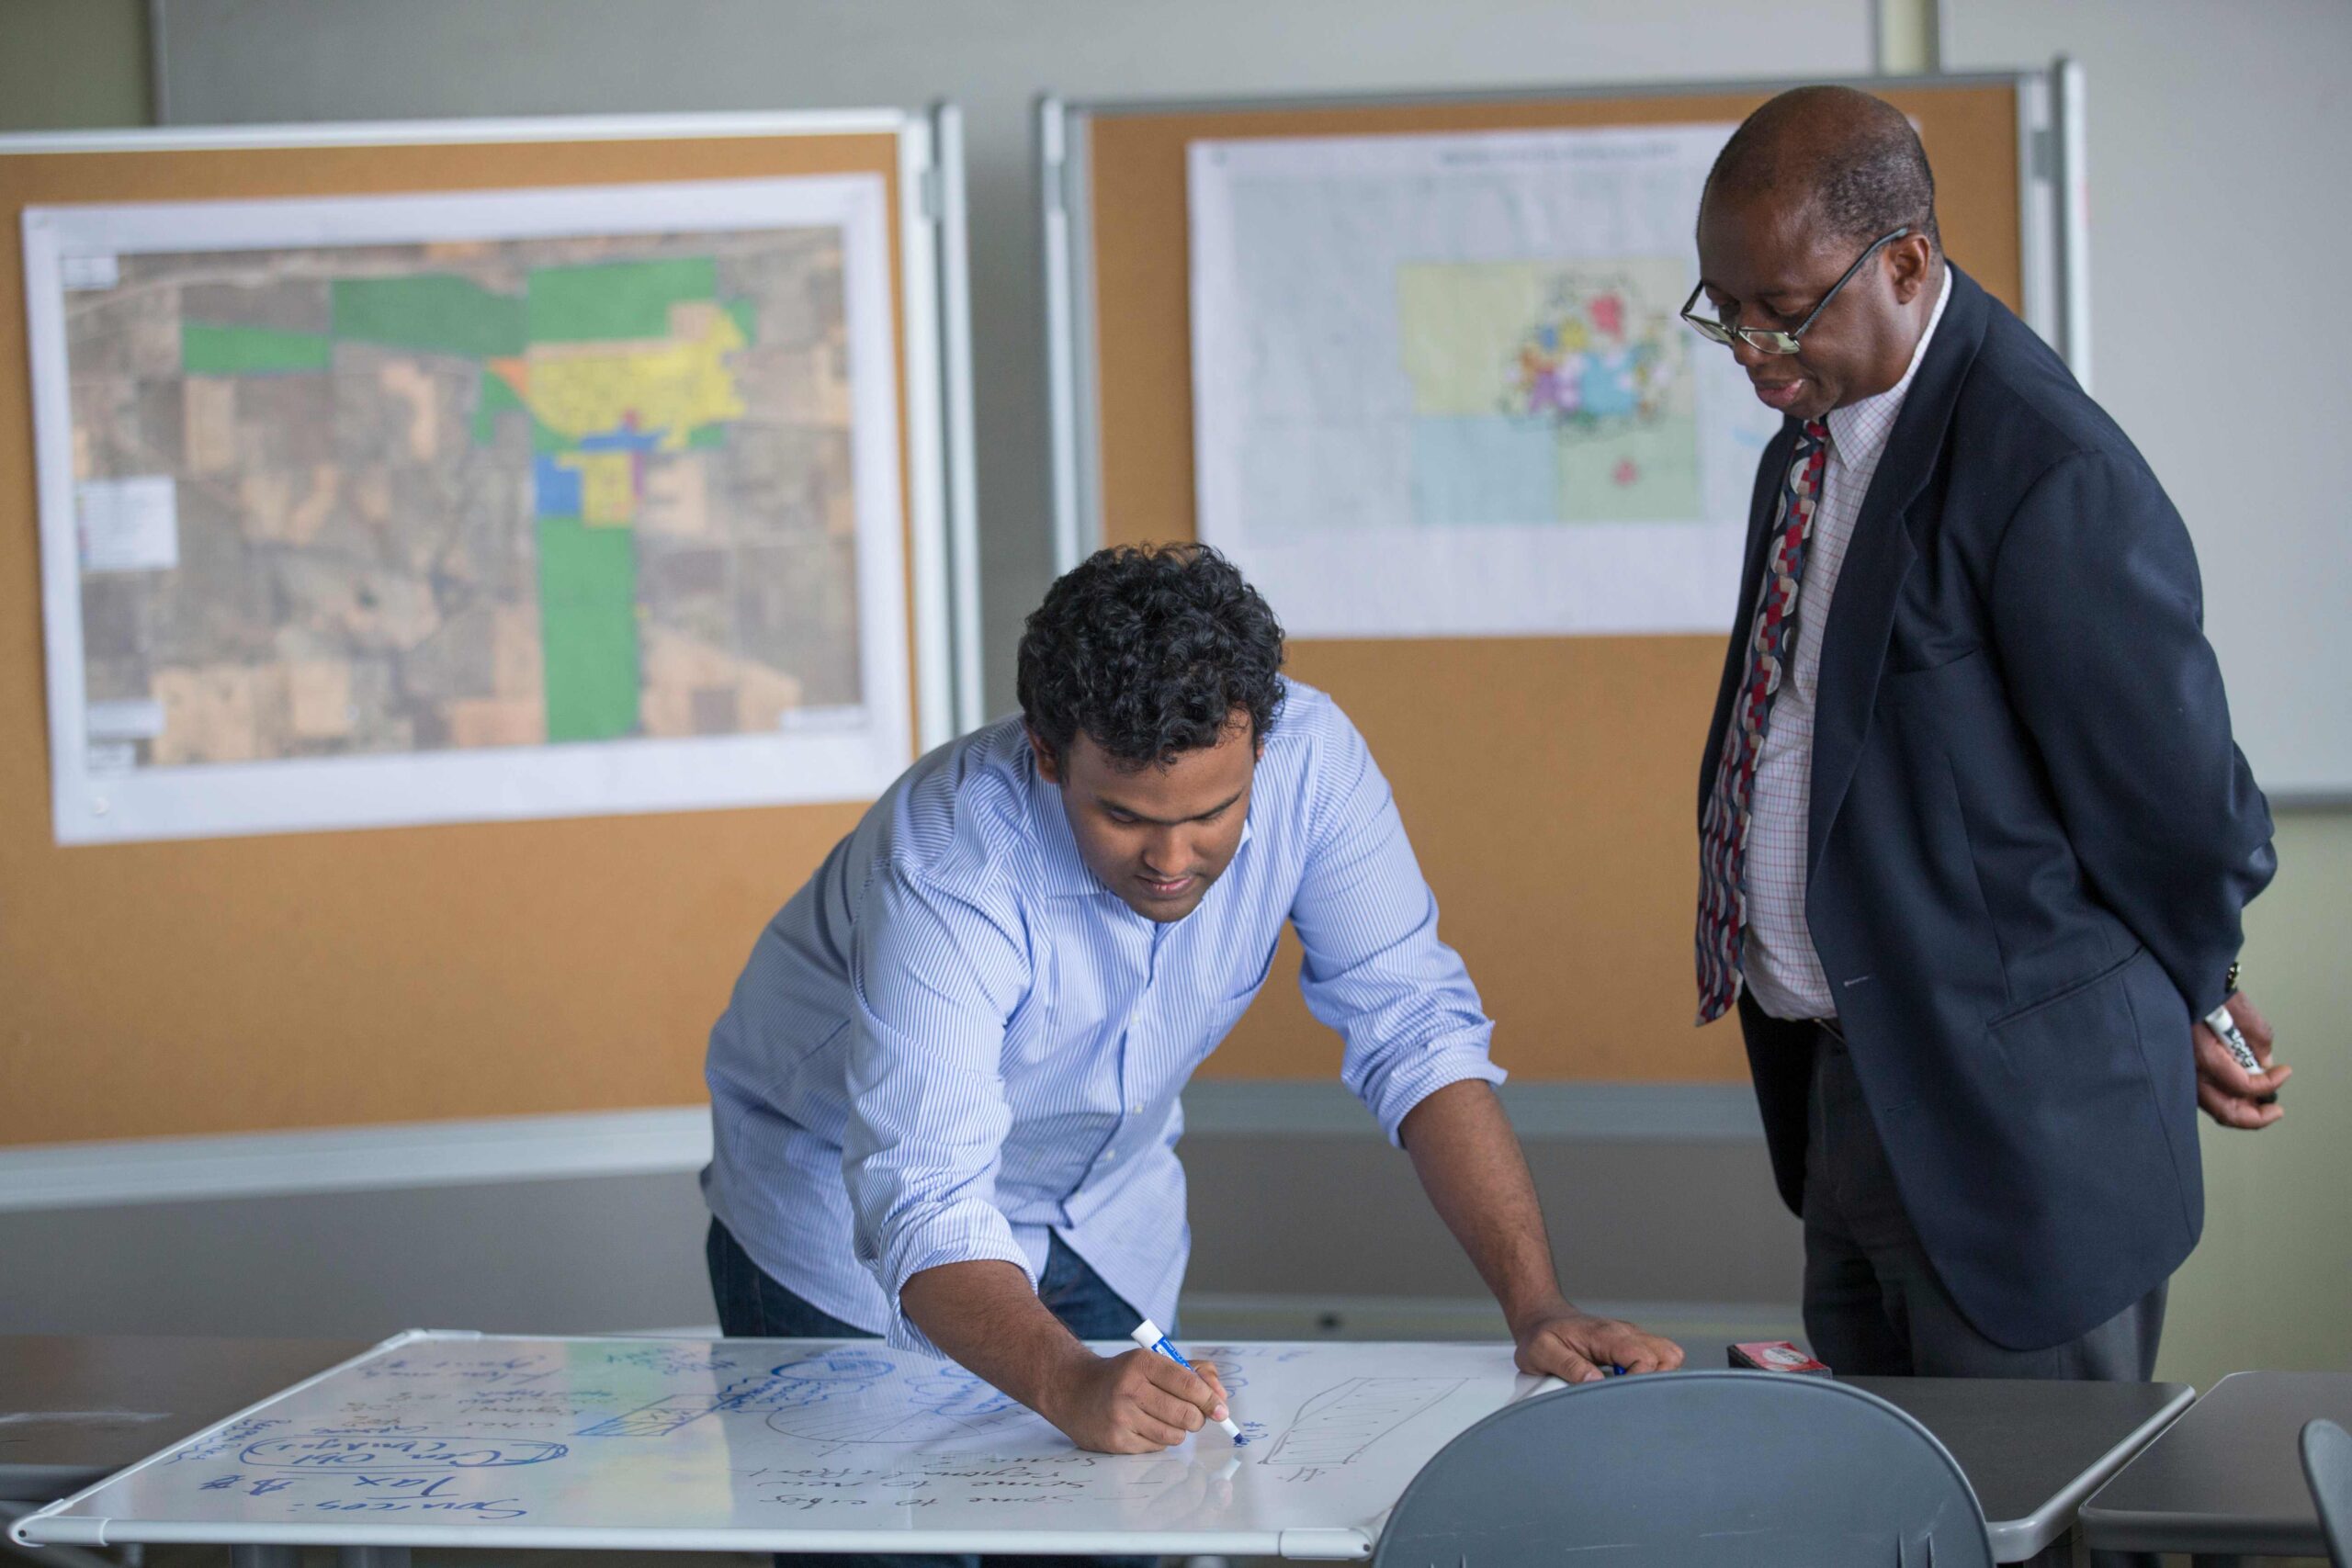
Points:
[(1440, 389)]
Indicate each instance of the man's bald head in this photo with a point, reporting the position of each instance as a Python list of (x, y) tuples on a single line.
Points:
[(1850, 159)]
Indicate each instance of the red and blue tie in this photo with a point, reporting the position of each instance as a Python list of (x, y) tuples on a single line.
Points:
[(1723, 829)]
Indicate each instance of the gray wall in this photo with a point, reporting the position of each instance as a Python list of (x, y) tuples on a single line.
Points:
[(1686, 1226), (70, 63)]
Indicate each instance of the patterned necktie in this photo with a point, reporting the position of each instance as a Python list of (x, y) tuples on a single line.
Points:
[(1723, 829)]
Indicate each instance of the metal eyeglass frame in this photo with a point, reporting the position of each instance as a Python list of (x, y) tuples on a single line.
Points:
[(1767, 341)]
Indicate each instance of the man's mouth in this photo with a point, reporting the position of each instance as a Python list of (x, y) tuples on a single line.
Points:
[(1779, 395), (1175, 889)]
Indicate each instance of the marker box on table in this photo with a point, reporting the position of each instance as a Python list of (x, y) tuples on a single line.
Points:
[(1773, 1356)]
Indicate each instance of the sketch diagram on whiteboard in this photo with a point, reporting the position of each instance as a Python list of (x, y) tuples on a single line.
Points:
[(936, 1407), (1337, 1426)]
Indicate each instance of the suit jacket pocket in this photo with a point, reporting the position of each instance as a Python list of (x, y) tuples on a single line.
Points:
[(2082, 1037), (1900, 684)]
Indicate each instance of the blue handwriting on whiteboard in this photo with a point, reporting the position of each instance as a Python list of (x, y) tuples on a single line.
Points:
[(488, 1508), (212, 1447), (672, 1360), (382, 1454), (514, 1370)]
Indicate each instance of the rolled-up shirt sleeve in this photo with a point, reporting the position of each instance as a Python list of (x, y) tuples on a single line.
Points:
[(933, 979), (1375, 970)]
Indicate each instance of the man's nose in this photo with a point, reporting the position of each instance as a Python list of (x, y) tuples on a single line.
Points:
[(1164, 852), (1746, 355)]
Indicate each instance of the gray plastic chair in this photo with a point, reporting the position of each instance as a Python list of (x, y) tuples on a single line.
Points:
[(1692, 1469), (2327, 1466)]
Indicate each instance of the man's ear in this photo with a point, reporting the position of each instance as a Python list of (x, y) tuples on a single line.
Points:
[(1914, 261), (1049, 768)]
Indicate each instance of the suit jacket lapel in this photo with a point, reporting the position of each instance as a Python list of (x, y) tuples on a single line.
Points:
[(1862, 611), (1771, 470)]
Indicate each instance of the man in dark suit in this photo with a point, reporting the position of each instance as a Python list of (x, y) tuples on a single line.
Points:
[(1974, 837)]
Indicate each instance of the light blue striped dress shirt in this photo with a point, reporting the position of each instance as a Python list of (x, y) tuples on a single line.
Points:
[(955, 1040)]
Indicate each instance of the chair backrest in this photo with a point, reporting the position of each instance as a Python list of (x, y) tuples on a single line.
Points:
[(2327, 1466), (1692, 1469)]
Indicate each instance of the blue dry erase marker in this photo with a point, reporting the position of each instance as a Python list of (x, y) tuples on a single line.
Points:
[(1147, 1334)]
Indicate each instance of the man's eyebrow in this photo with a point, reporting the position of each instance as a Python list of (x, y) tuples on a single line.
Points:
[(1107, 804)]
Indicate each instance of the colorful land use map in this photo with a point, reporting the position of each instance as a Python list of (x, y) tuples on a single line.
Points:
[(446, 506), (1438, 387), (466, 495), (1549, 392)]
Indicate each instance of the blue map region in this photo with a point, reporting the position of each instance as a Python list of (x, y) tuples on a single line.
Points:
[(1608, 383), (1484, 469), (555, 489), (623, 438)]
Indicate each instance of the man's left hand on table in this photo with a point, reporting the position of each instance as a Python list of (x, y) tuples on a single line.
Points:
[(1577, 1347)]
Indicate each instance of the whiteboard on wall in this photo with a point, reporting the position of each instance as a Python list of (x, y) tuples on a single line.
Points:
[(443, 1440), (2213, 225)]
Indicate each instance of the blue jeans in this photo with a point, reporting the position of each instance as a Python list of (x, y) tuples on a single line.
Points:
[(753, 1306)]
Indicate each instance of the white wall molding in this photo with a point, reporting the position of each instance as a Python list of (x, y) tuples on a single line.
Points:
[(1665, 1112), (340, 1160), (626, 1143)]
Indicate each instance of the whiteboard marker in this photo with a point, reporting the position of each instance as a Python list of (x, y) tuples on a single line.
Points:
[(1147, 1334), (2225, 1030)]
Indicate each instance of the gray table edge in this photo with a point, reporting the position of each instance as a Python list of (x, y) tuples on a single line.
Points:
[(2018, 1540), (2120, 1530)]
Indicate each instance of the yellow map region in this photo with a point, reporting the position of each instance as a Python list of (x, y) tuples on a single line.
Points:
[(607, 485), (581, 390)]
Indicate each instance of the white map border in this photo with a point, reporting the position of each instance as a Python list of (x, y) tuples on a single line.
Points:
[(1474, 579), (492, 783)]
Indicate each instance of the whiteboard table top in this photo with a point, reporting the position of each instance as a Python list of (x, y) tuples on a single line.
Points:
[(781, 1444)]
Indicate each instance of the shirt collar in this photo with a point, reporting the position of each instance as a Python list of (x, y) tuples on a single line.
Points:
[(1062, 871), (1860, 430)]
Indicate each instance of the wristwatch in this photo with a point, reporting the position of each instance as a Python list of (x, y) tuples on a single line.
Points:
[(2230, 980)]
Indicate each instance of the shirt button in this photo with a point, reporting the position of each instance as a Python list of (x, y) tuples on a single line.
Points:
[(1110, 1155), (1134, 1110)]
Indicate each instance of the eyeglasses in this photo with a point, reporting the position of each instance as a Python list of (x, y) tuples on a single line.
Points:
[(1766, 339)]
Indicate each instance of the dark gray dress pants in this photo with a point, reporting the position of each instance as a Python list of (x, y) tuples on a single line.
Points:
[(1874, 1304)]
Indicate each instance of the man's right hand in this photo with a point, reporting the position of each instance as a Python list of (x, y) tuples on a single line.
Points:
[(1134, 1404), (2230, 1094)]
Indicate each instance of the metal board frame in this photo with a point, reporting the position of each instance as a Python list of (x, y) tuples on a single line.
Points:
[(942, 518)]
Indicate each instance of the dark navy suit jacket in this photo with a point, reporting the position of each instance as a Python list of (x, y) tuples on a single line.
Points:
[(2031, 837)]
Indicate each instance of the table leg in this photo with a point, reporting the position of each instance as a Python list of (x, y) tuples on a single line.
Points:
[(371, 1557), (2059, 1553), (265, 1557)]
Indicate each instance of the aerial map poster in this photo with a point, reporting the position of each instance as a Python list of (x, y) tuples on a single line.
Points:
[(1440, 388), (373, 509)]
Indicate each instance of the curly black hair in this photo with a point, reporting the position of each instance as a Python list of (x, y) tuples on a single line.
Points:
[(1150, 650)]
